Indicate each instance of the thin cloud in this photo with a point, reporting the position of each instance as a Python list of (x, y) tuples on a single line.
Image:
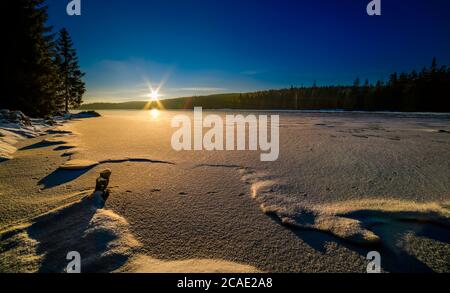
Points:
[(251, 72), (203, 89)]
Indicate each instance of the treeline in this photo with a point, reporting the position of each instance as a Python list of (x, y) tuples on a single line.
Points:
[(424, 91), (427, 91), (40, 68)]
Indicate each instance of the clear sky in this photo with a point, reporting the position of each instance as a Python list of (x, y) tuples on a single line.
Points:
[(197, 47)]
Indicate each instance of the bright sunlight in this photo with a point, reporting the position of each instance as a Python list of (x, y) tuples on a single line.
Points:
[(154, 113), (154, 95)]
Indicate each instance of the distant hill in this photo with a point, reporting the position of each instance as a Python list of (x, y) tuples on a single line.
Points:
[(114, 106), (219, 101), (424, 91)]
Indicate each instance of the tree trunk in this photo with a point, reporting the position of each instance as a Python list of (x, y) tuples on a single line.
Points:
[(67, 101)]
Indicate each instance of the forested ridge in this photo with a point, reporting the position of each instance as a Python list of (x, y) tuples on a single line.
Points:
[(424, 91)]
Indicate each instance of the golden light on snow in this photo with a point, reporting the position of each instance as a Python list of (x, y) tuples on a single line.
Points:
[(154, 113)]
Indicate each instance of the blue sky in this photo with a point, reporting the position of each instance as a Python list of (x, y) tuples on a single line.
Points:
[(197, 47)]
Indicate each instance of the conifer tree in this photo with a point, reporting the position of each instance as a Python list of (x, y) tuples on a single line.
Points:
[(29, 72), (72, 85)]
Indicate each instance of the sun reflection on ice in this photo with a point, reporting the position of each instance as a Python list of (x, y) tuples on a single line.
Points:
[(154, 113)]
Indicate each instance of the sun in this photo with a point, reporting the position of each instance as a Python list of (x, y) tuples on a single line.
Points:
[(154, 98), (154, 95)]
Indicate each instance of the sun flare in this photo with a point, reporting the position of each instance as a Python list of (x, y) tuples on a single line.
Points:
[(154, 95)]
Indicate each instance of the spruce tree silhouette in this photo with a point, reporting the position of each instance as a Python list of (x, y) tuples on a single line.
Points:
[(72, 85)]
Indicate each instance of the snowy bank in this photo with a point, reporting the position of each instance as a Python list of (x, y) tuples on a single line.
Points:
[(15, 126)]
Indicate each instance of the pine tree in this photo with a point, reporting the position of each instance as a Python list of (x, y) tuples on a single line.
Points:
[(434, 65), (72, 85), (28, 69)]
